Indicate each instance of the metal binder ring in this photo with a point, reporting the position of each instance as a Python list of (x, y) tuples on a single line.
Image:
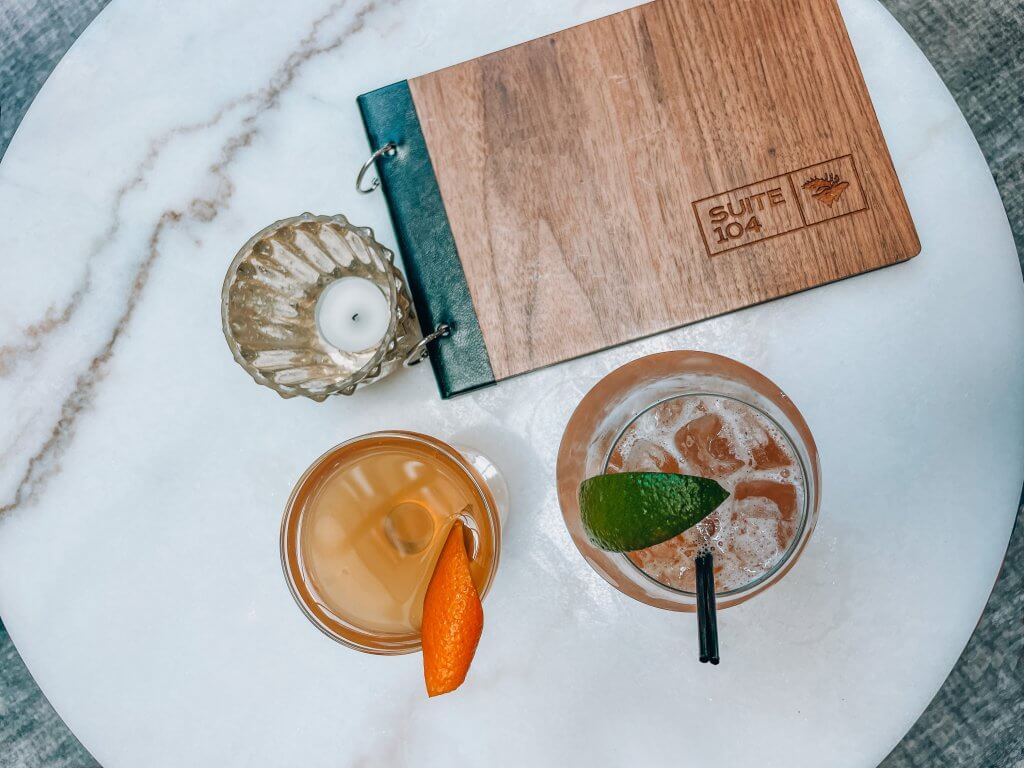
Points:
[(419, 353), (388, 149)]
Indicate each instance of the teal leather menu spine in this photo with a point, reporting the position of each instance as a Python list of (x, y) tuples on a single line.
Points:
[(434, 271)]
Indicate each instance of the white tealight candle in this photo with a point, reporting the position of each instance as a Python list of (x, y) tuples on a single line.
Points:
[(353, 314)]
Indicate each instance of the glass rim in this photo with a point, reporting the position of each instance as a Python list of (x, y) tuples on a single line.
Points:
[(291, 565), (626, 392), (804, 507)]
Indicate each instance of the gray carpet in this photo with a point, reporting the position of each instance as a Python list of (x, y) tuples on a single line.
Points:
[(977, 719)]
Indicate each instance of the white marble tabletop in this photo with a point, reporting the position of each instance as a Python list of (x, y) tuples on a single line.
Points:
[(143, 474)]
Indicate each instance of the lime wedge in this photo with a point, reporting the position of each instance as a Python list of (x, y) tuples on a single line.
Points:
[(636, 510)]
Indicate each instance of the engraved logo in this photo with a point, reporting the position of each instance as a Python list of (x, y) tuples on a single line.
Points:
[(804, 197), (826, 190)]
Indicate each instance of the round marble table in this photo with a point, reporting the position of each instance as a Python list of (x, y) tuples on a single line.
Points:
[(143, 474)]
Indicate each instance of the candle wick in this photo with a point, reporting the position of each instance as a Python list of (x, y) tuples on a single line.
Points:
[(355, 316)]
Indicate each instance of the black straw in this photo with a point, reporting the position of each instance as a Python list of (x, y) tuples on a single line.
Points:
[(707, 623)]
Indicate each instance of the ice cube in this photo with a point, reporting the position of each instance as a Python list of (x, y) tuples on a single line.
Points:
[(783, 507), (708, 447), (647, 456)]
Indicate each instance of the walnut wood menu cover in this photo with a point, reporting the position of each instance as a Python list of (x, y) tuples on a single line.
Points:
[(671, 162)]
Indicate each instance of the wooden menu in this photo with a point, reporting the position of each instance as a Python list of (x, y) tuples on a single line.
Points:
[(653, 168)]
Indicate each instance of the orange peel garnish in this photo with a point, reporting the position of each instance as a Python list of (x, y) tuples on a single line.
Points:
[(453, 617)]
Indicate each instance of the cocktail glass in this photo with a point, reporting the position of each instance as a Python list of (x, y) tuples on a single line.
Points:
[(365, 524), (702, 414)]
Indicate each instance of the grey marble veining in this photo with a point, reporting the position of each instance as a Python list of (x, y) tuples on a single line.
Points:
[(34, 35), (976, 719)]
